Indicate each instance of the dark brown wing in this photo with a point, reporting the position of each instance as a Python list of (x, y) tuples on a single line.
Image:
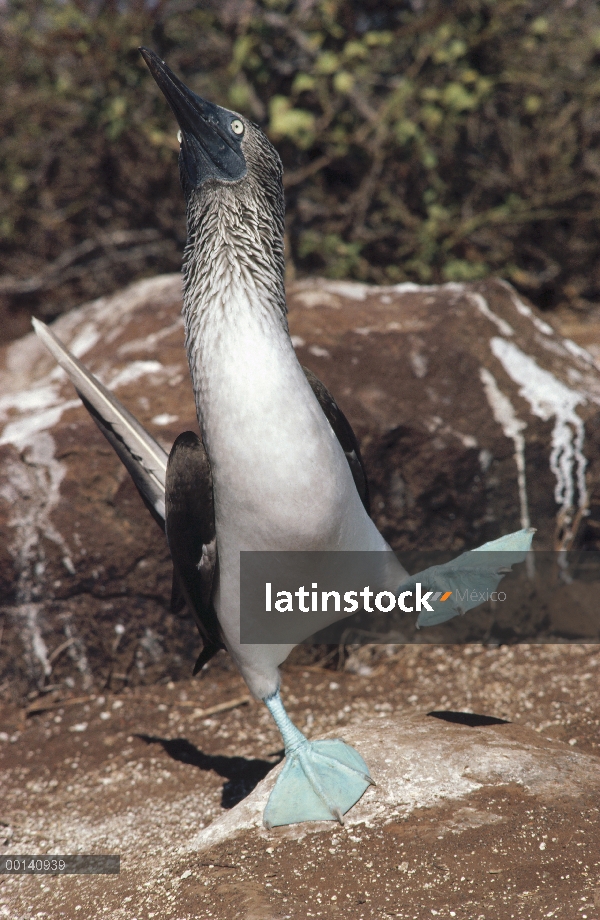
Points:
[(345, 435), (190, 528)]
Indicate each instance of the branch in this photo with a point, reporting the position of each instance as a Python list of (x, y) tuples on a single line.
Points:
[(299, 175), (63, 268)]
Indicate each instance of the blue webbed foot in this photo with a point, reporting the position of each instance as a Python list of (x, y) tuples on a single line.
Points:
[(320, 780)]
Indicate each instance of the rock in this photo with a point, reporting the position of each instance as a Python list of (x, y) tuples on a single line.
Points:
[(475, 417), (84, 571), (452, 389), (428, 763)]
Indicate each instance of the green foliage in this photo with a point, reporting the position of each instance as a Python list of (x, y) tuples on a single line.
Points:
[(287, 121), (440, 145)]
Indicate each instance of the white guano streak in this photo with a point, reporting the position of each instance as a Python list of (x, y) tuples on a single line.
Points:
[(524, 310), (481, 304), (549, 398), (576, 350), (512, 427)]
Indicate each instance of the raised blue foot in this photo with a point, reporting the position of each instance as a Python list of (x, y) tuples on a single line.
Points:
[(320, 780)]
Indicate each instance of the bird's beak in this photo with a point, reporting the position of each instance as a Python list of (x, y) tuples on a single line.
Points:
[(209, 149)]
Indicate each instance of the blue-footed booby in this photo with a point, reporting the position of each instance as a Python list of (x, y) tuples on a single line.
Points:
[(277, 466)]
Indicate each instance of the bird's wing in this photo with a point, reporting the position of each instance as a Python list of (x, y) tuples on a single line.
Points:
[(190, 527), (344, 433), (142, 456), (180, 481)]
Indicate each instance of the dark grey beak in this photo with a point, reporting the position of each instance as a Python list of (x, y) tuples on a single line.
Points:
[(209, 147)]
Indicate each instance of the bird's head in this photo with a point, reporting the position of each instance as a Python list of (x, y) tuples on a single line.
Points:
[(218, 148), (232, 180)]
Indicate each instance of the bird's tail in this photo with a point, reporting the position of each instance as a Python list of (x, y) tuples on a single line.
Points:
[(142, 456)]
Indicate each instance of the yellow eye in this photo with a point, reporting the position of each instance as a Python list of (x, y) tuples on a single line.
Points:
[(237, 127)]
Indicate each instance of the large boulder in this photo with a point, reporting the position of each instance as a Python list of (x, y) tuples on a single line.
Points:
[(475, 417)]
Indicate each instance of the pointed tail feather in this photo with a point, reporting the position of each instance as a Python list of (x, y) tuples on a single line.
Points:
[(142, 456)]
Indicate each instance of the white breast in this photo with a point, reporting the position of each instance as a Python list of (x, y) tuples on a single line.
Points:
[(281, 480)]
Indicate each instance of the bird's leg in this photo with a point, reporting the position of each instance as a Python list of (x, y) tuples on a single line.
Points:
[(320, 780)]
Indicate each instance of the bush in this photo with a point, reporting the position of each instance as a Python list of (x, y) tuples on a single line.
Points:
[(425, 142)]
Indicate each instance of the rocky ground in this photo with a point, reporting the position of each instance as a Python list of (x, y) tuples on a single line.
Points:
[(489, 816)]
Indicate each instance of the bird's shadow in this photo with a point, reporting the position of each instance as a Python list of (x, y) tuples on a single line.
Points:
[(242, 774), (472, 719)]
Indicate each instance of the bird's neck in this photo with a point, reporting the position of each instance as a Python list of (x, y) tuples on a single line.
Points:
[(233, 280)]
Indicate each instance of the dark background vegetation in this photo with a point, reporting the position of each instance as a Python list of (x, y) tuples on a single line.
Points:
[(424, 141)]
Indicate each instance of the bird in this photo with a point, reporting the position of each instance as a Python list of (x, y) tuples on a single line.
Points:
[(276, 465)]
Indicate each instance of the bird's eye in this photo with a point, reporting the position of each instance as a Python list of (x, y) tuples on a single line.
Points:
[(179, 136), (237, 127)]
